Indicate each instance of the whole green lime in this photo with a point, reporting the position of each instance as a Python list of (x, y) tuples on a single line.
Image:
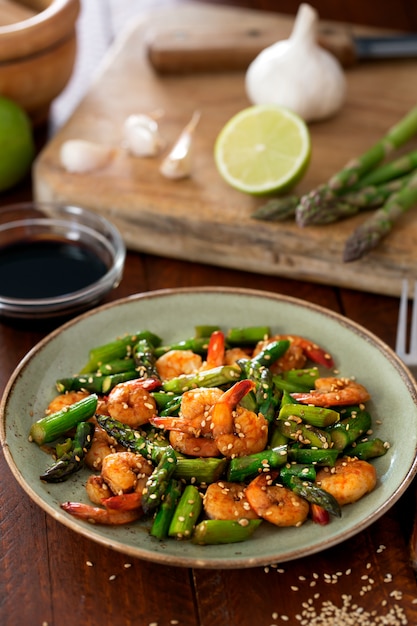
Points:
[(17, 147)]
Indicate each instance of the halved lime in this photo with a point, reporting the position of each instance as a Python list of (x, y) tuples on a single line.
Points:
[(263, 149), (17, 148)]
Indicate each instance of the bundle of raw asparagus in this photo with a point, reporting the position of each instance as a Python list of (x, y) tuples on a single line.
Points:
[(369, 181)]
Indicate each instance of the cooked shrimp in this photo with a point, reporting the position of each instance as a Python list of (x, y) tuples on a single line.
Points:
[(236, 430), (98, 515), (309, 349), (215, 351), (227, 501), (96, 488), (332, 391), (191, 431), (125, 471), (176, 362), (233, 355), (275, 503), (131, 403), (348, 480), (101, 446), (193, 446), (64, 400)]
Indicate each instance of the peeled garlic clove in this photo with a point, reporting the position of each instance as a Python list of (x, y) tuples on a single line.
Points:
[(297, 73), (141, 136), (79, 155), (178, 163)]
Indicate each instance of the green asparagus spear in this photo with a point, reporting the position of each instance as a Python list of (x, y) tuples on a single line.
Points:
[(368, 235), (55, 425), (350, 204), (71, 461), (204, 331), (265, 399), (211, 532), (348, 176), (164, 515), (371, 191), (134, 440), (198, 345), (387, 172), (247, 335), (301, 470), (214, 377), (277, 209), (186, 513), (367, 449), (295, 429), (117, 349), (345, 432), (145, 359), (200, 470), (314, 494), (319, 456), (297, 380), (95, 383), (314, 415), (158, 481), (118, 366), (243, 467)]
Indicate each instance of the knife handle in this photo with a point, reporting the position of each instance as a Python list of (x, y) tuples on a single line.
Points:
[(185, 51)]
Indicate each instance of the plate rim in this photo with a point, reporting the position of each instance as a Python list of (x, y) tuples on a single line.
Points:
[(185, 561)]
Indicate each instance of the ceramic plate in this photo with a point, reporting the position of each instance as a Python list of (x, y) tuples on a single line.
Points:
[(173, 316)]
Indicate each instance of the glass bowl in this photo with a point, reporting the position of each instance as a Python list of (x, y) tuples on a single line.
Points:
[(56, 260)]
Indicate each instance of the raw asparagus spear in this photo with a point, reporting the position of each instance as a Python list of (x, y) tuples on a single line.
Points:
[(348, 176), (363, 197), (55, 425), (72, 461), (375, 228), (352, 203)]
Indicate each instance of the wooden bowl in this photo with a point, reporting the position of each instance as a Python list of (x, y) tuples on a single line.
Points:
[(37, 51)]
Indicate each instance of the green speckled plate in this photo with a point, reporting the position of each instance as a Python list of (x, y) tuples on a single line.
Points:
[(173, 314)]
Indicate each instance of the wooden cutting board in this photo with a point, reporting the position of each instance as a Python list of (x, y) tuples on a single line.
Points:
[(203, 219)]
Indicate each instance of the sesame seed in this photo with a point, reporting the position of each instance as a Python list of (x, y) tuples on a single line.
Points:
[(112, 577), (89, 564)]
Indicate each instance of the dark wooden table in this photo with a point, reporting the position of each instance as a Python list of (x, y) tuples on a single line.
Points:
[(51, 576)]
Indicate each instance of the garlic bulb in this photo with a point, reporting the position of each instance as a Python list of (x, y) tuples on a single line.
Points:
[(79, 155), (178, 162), (297, 73), (141, 136)]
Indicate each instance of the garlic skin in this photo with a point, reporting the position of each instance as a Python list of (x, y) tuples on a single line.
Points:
[(178, 163), (297, 73), (79, 155), (141, 136)]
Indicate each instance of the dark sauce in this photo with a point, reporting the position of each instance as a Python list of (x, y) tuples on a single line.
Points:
[(47, 268)]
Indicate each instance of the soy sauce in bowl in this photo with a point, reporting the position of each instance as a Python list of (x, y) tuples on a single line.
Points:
[(56, 260), (47, 268)]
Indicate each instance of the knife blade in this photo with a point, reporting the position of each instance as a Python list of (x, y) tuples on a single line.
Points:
[(185, 51)]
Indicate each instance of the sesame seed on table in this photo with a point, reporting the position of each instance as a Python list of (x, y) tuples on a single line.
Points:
[(51, 576)]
